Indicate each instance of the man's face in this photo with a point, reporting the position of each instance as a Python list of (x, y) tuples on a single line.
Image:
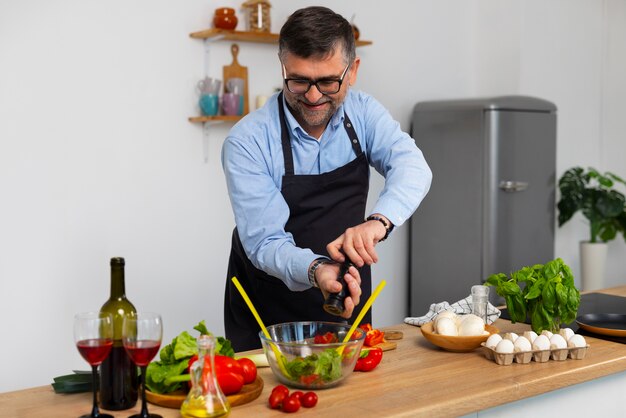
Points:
[(313, 109)]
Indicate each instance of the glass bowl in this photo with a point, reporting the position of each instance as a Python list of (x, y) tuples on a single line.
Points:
[(298, 361)]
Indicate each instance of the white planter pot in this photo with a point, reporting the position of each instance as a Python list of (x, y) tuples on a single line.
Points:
[(593, 265)]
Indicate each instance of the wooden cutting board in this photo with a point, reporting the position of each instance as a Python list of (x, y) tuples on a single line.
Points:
[(235, 70), (388, 344), (174, 400)]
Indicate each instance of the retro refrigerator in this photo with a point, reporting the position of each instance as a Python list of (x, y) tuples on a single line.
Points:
[(491, 206)]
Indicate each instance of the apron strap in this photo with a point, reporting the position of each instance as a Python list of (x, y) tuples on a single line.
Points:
[(284, 138), (354, 139)]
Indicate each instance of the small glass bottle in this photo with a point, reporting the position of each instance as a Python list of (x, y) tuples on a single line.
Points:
[(480, 301), (205, 398)]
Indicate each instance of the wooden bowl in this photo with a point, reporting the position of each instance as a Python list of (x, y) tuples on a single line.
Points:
[(174, 400), (456, 344)]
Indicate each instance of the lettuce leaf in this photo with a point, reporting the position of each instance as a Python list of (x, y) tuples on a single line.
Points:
[(158, 372), (175, 359), (185, 346)]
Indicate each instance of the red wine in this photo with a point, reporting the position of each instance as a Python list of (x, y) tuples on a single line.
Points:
[(141, 352), (118, 375), (95, 350)]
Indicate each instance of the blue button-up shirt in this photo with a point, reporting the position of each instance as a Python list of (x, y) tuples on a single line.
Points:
[(252, 158)]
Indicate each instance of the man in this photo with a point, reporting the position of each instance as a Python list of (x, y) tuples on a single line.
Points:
[(297, 172)]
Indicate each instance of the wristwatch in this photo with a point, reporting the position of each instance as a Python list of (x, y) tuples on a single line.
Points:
[(318, 262), (388, 227)]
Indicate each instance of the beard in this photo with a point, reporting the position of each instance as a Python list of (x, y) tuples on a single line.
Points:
[(311, 118)]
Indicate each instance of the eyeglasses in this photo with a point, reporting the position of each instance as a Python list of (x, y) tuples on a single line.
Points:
[(324, 85)]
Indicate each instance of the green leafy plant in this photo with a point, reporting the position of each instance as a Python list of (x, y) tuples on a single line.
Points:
[(593, 194), (548, 295)]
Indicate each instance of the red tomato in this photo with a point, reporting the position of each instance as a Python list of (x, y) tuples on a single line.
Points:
[(310, 379), (248, 370), (230, 382), (291, 404), (227, 364), (298, 394), (327, 338), (309, 400), (276, 399), (281, 388)]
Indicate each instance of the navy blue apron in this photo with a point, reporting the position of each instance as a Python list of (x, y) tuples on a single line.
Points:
[(321, 208)]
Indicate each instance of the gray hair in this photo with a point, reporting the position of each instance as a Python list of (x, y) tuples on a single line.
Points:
[(316, 32)]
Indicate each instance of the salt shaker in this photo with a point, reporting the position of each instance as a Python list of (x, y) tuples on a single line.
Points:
[(480, 300)]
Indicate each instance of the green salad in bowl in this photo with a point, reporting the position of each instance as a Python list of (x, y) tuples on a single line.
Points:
[(311, 355)]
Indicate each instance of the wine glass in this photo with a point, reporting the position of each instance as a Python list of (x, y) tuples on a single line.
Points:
[(141, 336), (93, 335)]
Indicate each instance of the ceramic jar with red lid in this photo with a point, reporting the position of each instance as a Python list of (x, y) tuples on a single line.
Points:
[(225, 18)]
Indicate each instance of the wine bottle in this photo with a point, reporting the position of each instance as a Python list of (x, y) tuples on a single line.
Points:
[(118, 374)]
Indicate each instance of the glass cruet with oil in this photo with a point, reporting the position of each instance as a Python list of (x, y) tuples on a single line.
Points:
[(205, 398)]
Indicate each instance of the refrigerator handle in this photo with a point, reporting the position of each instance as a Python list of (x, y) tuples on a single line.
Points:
[(513, 186)]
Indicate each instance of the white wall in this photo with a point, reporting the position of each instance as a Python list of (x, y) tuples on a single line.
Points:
[(97, 158)]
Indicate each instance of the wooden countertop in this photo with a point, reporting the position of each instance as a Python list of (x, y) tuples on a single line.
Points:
[(416, 379)]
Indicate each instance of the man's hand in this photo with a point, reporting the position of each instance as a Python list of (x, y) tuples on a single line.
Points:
[(358, 242), (326, 277)]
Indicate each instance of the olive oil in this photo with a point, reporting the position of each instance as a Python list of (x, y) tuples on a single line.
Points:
[(205, 398)]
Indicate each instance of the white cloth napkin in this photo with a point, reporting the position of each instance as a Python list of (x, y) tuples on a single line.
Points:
[(464, 306)]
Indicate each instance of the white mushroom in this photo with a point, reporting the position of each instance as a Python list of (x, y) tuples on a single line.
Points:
[(493, 340), (541, 343), (505, 347), (471, 325), (522, 344), (445, 314), (447, 326), (557, 342), (577, 341), (530, 336), (441, 315)]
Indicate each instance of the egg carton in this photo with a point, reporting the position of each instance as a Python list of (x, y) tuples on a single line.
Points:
[(540, 356)]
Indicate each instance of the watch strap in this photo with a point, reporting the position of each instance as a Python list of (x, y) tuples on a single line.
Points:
[(318, 262)]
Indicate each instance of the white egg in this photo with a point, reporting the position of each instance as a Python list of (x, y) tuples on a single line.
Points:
[(530, 336), (566, 333), (511, 336), (547, 333), (471, 325), (447, 326), (493, 340), (505, 346), (541, 343), (522, 344), (557, 341), (577, 340)]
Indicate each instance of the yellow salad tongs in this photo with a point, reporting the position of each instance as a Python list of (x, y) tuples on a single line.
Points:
[(280, 359)]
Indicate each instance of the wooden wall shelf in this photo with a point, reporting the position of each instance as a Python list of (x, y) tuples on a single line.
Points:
[(244, 36), (218, 118)]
